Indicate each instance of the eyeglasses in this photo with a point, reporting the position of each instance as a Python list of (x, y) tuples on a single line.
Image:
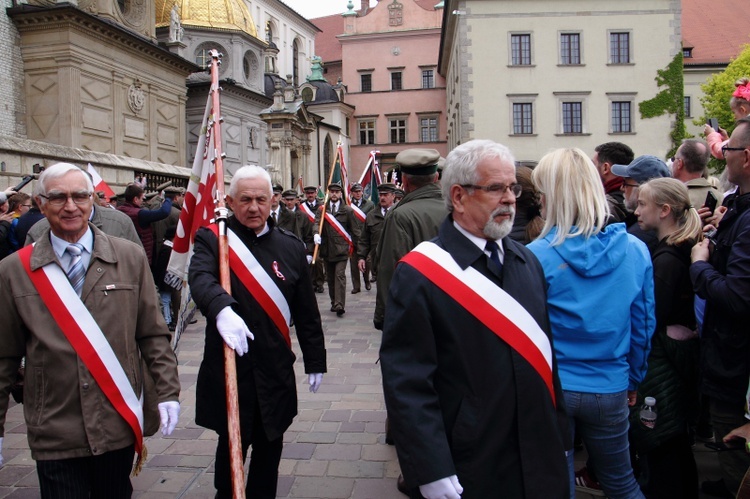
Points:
[(727, 148), (26, 205), (58, 199), (496, 189), (625, 184)]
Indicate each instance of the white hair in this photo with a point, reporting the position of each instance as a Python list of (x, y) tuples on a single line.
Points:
[(249, 171)]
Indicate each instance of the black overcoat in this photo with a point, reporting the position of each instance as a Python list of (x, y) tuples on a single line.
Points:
[(265, 374), (460, 400)]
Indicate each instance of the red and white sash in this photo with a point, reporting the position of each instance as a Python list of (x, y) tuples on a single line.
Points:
[(258, 283), (489, 303), (88, 340), (361, 215), (306, 209), (341, 230)]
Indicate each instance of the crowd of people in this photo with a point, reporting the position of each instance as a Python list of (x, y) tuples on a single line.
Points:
[(524, 311)]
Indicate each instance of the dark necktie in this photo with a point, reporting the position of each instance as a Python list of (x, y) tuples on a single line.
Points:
[(494, 264), (275, 218), (76, 272)]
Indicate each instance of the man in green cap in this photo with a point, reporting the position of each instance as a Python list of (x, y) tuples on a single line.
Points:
[(415, 219), (292, 219), (337, 240)]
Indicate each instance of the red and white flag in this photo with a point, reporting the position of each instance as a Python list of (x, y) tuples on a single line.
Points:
[(99, 183), (197, 211)]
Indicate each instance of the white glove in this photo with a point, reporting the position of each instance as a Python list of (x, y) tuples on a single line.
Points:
[(445, 488), (309, 259), (169, 413), (317, 239), (233, 330), (1, 452), (315, 379)]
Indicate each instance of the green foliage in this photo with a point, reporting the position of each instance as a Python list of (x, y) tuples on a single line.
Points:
[(669, 101), (718, 91)]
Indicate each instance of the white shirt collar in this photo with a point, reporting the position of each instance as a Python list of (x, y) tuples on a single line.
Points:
[(481, 242)]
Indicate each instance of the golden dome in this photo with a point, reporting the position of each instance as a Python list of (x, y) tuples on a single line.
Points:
[(217, 14)]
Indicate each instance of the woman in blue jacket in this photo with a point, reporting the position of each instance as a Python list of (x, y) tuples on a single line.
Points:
[(601, 306)]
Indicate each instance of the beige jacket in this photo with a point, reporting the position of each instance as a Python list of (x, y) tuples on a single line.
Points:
[(67, 415)]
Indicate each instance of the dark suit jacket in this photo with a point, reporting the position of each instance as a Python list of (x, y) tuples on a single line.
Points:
[(460, 400)]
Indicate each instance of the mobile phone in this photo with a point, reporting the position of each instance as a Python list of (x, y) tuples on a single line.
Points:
[(710, 201), (714, 123), (23, 182), (735, 444)]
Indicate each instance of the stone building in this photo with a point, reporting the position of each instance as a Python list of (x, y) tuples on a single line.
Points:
[(541, 74)]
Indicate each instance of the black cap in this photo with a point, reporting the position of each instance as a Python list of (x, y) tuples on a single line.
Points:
[(335, 186), (386, 187), (277, 188), (356, 186), (289, 193)]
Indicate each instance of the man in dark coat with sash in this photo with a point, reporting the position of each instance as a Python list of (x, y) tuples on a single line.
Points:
[(270, 284), (469, 373)]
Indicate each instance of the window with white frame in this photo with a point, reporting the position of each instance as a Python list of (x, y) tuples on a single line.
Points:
[(520, 49), (397, 129), (619, 47), (367, 131), (570, 48), (428, 128)]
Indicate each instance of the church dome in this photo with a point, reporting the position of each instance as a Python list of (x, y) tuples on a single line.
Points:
[(212, 14)]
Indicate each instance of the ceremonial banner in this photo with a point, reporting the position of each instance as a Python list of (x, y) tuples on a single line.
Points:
[(99, 183)]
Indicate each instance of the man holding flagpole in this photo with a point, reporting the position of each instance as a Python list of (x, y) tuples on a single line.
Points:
[(337, 238), (310, 208), (469, 373), (81, 306), (271, 287), (361, 207)]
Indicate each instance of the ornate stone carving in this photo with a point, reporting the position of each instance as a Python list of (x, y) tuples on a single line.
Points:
[(136, 96)]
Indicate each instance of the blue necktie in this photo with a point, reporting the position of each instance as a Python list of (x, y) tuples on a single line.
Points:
[(495, 264), (76, 272)]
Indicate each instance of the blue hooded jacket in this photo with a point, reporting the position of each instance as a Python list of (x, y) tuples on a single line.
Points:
[(600, 293)]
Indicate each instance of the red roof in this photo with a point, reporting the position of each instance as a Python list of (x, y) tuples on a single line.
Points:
[(716, 31), (326, 44)]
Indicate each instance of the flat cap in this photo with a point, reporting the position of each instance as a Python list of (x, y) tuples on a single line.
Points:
[(289, 193), (277, 188), (418, 161), (310, 188), (399, 192), (334, 186), (175, 190), (356, 186), (386, 187)]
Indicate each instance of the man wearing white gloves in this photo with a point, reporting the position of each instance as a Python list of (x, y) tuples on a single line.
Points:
[(469, 375), (81, 307), (271, 286)]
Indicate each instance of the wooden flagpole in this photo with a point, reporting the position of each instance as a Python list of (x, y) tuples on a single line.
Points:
[(230, 366), (325, 203)]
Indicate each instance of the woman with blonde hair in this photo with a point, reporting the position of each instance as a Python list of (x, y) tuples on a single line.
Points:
[(666, 461), (601, 308)]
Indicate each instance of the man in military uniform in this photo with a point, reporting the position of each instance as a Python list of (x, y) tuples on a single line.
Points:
[(337, 242), (276, 204), (368, 241), (310, 207), (292, 219), (415, 219), (362, 207)]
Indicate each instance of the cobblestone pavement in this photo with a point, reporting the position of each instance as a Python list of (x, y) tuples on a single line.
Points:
[(334, 449)]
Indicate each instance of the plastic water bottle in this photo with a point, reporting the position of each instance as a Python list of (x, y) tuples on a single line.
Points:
[(648, 413)]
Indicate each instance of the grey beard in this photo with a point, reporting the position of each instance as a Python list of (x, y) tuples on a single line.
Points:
[(494, 230)]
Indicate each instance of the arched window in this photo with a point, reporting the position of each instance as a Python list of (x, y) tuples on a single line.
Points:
[(295, 62)]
